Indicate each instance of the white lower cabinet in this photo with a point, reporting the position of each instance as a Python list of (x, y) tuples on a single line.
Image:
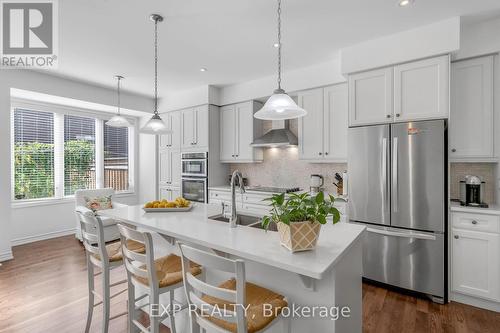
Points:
[(475, 252), (170, 168), (169, 193)]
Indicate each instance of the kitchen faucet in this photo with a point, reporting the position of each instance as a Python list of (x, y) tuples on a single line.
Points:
[(234, 217)]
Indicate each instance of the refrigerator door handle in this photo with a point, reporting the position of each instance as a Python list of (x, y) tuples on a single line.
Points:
[(402, 234), (395, 184), (384, 184)]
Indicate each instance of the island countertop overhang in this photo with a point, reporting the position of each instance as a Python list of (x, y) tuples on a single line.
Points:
[(245, 242)]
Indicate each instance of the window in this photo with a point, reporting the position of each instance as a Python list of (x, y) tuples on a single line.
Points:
[(79, 154), (33, 154), (116, 158), (57, 151)]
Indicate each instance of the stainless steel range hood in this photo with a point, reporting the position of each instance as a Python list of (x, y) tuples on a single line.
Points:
[(278, 136)]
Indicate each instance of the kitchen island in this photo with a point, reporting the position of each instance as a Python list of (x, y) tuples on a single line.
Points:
[(328, 277)]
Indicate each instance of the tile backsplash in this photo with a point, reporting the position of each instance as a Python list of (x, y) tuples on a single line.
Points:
[(282, 167), (486, 171)]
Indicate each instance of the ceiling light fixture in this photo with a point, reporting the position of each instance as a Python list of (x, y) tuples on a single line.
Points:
[(156, 125), (203, 69), (280, 106), (404, 3), (118, 120)]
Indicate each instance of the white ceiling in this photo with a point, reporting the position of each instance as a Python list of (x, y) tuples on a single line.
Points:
[(232, 38)]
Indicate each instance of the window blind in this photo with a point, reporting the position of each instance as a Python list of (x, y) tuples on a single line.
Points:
[(33, 154), (116, 158), (79, 153)]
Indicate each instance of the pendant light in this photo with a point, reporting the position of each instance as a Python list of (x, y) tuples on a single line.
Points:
[(280, 106), (156, 125), (118, 120)]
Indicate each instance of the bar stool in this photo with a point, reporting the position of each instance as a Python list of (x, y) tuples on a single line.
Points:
[(157, 277), (220, 308), (106, 258)]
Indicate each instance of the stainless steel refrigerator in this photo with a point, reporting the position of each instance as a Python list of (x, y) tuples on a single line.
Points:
[(398, 189)]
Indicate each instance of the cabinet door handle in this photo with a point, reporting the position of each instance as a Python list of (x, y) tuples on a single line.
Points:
[(326, 153), (397, 115), (453, 150), (237, 155), (456, 236), (320, 154), (474, 222), (388, 116)]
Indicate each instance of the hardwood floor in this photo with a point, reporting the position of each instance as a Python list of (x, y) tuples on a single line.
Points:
[(44, 289)]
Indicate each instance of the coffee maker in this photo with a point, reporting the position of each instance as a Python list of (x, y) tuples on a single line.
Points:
[(472, 192), (316, 183)]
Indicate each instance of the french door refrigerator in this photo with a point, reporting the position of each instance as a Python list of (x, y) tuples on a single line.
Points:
[(398, 190)]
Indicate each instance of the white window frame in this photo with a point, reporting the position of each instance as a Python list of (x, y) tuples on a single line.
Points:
[(59, 111)]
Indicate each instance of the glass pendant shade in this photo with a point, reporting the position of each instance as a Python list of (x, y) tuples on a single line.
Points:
[(155, 125), (280, 106), (118, 121)]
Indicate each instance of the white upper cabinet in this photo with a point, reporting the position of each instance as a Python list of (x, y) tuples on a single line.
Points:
[(335, 122), (371, 97), (471, 123), (421, 89), (323, 131), (194, 128), (311, 125), (417, 90), (227, 132), (173, 122), (238, 129)]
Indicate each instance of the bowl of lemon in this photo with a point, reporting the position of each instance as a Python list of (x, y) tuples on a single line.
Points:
[(178, 205)]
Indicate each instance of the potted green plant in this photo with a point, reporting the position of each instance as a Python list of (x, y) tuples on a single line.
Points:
[(299, 217)]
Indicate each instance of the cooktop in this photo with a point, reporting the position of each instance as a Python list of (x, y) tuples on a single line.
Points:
[(271, 189)]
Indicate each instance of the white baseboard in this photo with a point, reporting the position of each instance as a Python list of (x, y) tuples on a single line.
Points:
[(6, 255), (477, 302), (48, 235)]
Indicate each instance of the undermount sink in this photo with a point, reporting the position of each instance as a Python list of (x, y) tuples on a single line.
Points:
[(245, 220)]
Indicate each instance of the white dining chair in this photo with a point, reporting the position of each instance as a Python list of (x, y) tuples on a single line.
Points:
[(110, 229), (156, 277), (105, 257), (220, 308)]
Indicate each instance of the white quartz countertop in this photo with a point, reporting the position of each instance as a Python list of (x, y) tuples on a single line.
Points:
[(227, 188), (491, 210), (245, 242)]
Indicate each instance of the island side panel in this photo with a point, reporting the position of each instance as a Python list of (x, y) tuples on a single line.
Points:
[(348, 288), (340, 286)]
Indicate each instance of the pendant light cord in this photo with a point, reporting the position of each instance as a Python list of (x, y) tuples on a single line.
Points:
[(156, 67), (119, 104), (279, 44)]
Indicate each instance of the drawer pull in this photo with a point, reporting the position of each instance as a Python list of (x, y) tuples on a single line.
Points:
[(474, 222), (456, 236)]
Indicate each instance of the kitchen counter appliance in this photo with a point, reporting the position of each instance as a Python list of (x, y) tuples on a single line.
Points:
[(194, 181), (316, 183), (398, 190), (472, 192)]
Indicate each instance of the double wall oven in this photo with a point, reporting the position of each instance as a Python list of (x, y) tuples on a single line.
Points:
[(194, 172)]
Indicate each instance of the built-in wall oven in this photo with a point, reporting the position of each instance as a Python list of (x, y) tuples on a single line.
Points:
[(194, 182)]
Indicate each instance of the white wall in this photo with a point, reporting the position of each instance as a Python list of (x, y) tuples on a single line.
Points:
[(299, 79), (430, 40), (34, 221), (479, 38)]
